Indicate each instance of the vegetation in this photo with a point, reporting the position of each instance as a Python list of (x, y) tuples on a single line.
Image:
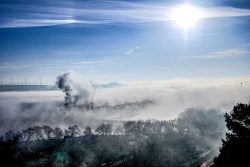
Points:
[(236, 148), (151, 143)]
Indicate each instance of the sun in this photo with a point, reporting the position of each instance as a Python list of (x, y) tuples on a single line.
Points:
[(186, 15)]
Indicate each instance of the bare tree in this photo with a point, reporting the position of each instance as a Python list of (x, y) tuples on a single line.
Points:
[(47, 130), (73, 131), (104, 129), (18, 136), (9, 135), (88, 131), (129, 127), (38, 132), (29, 133), (58, 133), (118, 129), (25, 135)]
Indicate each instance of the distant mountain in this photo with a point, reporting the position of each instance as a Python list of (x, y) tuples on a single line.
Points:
[(109, 85), (6, 88)]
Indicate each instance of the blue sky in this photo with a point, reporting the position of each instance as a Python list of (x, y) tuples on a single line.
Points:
[(122, 40)]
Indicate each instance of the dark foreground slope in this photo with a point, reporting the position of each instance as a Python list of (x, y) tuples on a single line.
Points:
[(93, 151), (188, 141)]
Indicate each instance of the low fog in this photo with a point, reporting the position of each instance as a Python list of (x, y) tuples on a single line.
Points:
[(133, 101)]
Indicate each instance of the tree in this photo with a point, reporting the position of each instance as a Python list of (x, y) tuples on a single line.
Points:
[(58, 133), (129, 127), (9, 135), (73, 131), (238, 121), (18, 136), (88, 131), (236, 148), (38, 131), (25, 134), (29, 133), (104, 129), (207, 123), (118, 129), (47, 130)]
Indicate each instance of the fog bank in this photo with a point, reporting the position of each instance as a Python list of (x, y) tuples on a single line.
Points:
[(166, 100)]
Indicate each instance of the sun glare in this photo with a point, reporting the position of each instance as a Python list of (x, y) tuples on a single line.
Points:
[(186, 15)]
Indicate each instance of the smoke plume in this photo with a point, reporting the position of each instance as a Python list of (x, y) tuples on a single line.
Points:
[(76, 91)]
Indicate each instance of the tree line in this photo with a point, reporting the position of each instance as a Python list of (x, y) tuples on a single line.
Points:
[(186, 124), (121, 128)]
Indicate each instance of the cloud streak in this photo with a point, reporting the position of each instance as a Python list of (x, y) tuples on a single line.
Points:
[(38, 22), (227, 53), (108, 12), (8, 66), (132, 50)]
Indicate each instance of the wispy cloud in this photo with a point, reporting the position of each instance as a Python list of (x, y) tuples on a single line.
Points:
[(132, 50), (8, 66), (86, 13), (46, 22), (161, 67), (224, 54), (87, 62), (225, 12)]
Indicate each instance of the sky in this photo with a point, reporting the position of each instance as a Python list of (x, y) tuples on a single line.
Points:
[(119, 40)]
